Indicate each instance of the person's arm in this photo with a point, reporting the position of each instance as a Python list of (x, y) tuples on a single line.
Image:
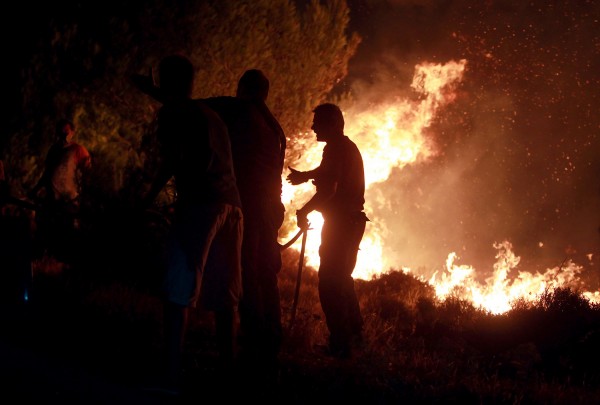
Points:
[(326, 189), (297, 177), (87, 161), (84, 159), (163, 176), (32, 194), (146, 85), (44, 179), (326, 178)]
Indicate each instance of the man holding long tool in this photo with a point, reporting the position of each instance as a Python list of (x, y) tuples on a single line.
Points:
[(340, 182)]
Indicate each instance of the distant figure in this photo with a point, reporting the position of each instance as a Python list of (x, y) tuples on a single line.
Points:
[(204, 246), (340, 184), (258, 145), (59, 193)]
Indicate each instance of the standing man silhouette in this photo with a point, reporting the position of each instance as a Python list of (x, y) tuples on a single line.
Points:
[(258, 146), (340, 183), (204, 246)]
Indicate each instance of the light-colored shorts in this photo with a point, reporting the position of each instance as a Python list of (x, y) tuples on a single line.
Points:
[(204, 257)]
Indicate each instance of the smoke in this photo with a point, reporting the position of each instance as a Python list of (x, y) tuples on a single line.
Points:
[(455, 201), (515, 154)]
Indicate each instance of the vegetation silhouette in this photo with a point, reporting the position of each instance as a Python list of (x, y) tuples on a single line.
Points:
[(81, 64), (417, 348)]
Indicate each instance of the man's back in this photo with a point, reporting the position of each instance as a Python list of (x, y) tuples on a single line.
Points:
[(196, 146), (342, 163), (203, 247), (258, 146)]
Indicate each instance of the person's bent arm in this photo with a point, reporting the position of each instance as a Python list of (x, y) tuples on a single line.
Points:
[(146, 85), (297, 177), (324, 193), (163, 176), (44, 179)]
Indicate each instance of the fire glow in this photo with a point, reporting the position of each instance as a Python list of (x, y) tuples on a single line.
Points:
[(391, 135), (497, 292)]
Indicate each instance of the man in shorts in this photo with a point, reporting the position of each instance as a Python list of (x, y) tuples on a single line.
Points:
[(204, 246)]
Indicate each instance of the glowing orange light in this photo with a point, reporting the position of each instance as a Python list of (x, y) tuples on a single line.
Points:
[(391, 135)]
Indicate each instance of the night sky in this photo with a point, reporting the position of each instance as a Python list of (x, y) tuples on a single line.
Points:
[(519, 149)]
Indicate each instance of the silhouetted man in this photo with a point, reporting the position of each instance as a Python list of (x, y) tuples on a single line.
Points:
[(340, 183), (258, 146), (204, 247)]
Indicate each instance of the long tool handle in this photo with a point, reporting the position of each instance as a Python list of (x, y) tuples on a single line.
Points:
[(298, 277)]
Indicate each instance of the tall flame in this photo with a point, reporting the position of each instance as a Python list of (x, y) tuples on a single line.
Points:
[(390, 135)]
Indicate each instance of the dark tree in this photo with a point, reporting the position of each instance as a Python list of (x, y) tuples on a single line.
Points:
[(86, 53)]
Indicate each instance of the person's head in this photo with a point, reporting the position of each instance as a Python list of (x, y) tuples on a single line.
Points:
[(65, 130), (253, 84), (328, 122), (176, 77)]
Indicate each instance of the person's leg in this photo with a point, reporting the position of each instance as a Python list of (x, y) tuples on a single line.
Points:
[(222, 284), (251, 320), (272, 333), (272, 326), (226, 332), (272, 266), (187, 249), (340, 241), (335, 316), (355, 233), (330, 293), (260, 309)]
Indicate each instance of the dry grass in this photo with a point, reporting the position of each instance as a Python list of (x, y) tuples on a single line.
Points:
[(417, 350)]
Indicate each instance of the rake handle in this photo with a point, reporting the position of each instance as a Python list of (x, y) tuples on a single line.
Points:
[(299, 277)]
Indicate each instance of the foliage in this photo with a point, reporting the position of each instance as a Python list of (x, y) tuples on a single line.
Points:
[(88, 51), (418, 349)]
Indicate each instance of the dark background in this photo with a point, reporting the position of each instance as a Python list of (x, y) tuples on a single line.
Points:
[(518, 150)]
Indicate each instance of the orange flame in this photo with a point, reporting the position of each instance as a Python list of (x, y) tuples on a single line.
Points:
[(391, 134), (497, 293)]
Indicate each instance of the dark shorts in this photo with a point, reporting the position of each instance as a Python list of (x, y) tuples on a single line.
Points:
[(204, 257)]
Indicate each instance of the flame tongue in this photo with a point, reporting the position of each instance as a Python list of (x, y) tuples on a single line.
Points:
[(498, 292), (391, 134)]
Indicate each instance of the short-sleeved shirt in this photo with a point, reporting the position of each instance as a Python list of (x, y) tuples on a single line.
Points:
[(196, 147), (342, 163), (208, 221)]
